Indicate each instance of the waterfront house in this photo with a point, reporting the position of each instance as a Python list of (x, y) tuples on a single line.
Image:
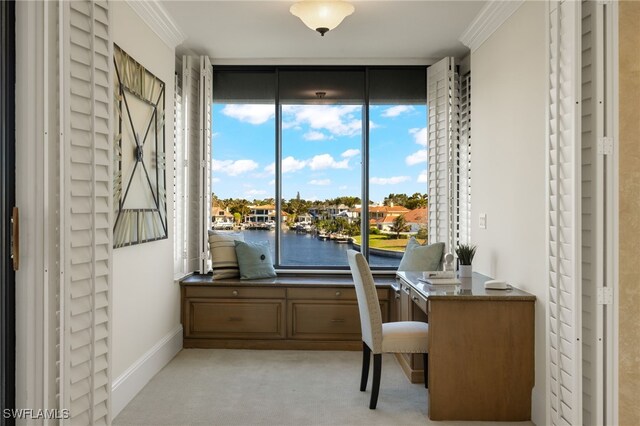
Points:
[(417, 219), (221, 217), (263, 214)]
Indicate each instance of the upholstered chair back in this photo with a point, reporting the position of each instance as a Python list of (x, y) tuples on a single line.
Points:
[(368, 304)]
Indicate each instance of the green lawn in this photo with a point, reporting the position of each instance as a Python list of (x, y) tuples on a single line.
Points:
[(385, 242)]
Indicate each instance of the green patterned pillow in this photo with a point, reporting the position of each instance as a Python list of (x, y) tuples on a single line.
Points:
[(418, 257), (254, 260)]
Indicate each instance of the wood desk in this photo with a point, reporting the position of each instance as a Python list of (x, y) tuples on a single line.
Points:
[(481, 350)]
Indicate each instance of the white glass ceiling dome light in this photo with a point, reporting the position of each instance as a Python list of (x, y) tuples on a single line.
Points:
[(322, 16)]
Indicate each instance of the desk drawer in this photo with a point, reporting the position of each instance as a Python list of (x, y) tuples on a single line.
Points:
[(236, 292), (333, 293), (235, 319), (419, 300)]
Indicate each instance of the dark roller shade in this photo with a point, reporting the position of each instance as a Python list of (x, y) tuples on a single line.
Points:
[(398, 86), (251, 87), (338, 86)]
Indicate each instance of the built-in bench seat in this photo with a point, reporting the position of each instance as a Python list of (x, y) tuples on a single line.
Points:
[(287, 312)]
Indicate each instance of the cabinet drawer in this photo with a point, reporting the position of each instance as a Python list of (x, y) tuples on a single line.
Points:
[(333, 293), (239, 292), (419, 300), (326, 320), (235, 319)]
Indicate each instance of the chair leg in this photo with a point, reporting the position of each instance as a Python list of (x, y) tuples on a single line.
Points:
[(377, 369), (366, 356), (426, 370)]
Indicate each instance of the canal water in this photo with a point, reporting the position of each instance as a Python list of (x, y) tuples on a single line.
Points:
[(301, 249)]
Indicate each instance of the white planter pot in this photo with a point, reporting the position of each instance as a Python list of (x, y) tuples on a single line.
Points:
[(465, 271)]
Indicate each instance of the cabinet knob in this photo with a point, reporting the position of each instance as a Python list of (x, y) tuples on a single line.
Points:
[(234, 292), (338, 294)]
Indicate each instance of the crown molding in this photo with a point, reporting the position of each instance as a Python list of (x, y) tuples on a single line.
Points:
[(488, 20), (159, 20)]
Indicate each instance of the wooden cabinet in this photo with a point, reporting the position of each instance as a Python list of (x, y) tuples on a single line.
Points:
[(327, 314), (283, 314)]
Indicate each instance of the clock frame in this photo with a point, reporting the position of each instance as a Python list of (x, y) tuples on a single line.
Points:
[(139, 184)]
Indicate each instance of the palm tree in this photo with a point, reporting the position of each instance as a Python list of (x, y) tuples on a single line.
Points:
[(399, 225)]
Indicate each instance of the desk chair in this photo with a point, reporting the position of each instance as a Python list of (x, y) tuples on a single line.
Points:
[(379, 338)]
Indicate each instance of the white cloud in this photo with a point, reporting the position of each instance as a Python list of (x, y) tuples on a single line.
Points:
[(389, 181), (320, 182), (350, 153), (314, 136), (289, 164), (253, 114), (215, 180), (395, 111), (339, 120), (342, 187), (326, 161), (420, 135), (272, 182), (423, 177), (233, 168), (254, 192), (420, 156)]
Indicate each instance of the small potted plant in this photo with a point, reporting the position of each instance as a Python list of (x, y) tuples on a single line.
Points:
[(465, 255)]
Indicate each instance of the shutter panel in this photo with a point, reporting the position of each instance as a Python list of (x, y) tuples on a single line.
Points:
[(464, 163), (179, 184), (86, 210), (191, 125), (442, 102), (206, 102), (592, 172), (563, 314)]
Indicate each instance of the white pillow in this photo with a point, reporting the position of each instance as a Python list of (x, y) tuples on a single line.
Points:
[(223, 254)]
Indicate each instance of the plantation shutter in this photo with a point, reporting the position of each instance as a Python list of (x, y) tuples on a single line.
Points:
[(442, 103), (179, 184), (463, 175), (191, 134), (564, 239), (86, 92), (206, 103)]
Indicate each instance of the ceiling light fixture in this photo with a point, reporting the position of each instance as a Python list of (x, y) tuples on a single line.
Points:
[(322, 16)]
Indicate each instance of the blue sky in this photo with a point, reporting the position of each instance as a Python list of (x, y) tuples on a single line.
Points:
[(321, 151)]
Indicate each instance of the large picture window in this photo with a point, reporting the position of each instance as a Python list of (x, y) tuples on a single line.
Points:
[(320, 160)]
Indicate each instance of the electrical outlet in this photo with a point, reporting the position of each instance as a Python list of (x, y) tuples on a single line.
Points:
[(483, 221)]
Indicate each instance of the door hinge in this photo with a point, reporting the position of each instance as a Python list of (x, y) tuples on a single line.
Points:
[(204, 255), (203, 163), (605, 146), (605, 296)]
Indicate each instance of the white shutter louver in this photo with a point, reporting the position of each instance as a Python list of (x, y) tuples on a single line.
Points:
[(191, 134), (206, 102), (179, 185), (86, 210), (463, 176), (563, 315), (442, 103)]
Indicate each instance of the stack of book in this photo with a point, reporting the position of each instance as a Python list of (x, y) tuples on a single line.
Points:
[(445, 281)]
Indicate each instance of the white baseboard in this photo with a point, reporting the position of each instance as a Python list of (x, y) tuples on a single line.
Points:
[(142, 371)]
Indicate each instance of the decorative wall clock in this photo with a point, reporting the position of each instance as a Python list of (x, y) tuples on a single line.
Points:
[(139, 185)]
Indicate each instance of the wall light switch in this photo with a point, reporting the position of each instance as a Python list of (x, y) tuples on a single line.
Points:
[(483, 221)]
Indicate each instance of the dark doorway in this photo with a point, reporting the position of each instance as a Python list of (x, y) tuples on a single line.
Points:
[(7, 202)]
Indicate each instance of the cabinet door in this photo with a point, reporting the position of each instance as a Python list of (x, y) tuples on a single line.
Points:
[(235, 318)]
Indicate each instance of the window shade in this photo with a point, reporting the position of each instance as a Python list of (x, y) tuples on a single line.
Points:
[(338, 86), (241, 86), (398, 86)]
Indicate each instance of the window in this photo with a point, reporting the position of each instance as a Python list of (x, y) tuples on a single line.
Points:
[(320, 160)]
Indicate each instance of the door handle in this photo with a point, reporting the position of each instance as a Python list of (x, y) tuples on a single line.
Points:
[(15, 238)]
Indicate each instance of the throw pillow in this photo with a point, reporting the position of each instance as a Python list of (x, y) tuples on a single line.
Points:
[(223, 254), (418, 257), (254, 260)]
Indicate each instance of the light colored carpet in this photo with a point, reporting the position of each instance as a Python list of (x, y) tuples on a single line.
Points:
[(251, 387)]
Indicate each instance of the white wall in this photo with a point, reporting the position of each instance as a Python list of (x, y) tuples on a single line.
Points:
[(145, 298), (508, 140)]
